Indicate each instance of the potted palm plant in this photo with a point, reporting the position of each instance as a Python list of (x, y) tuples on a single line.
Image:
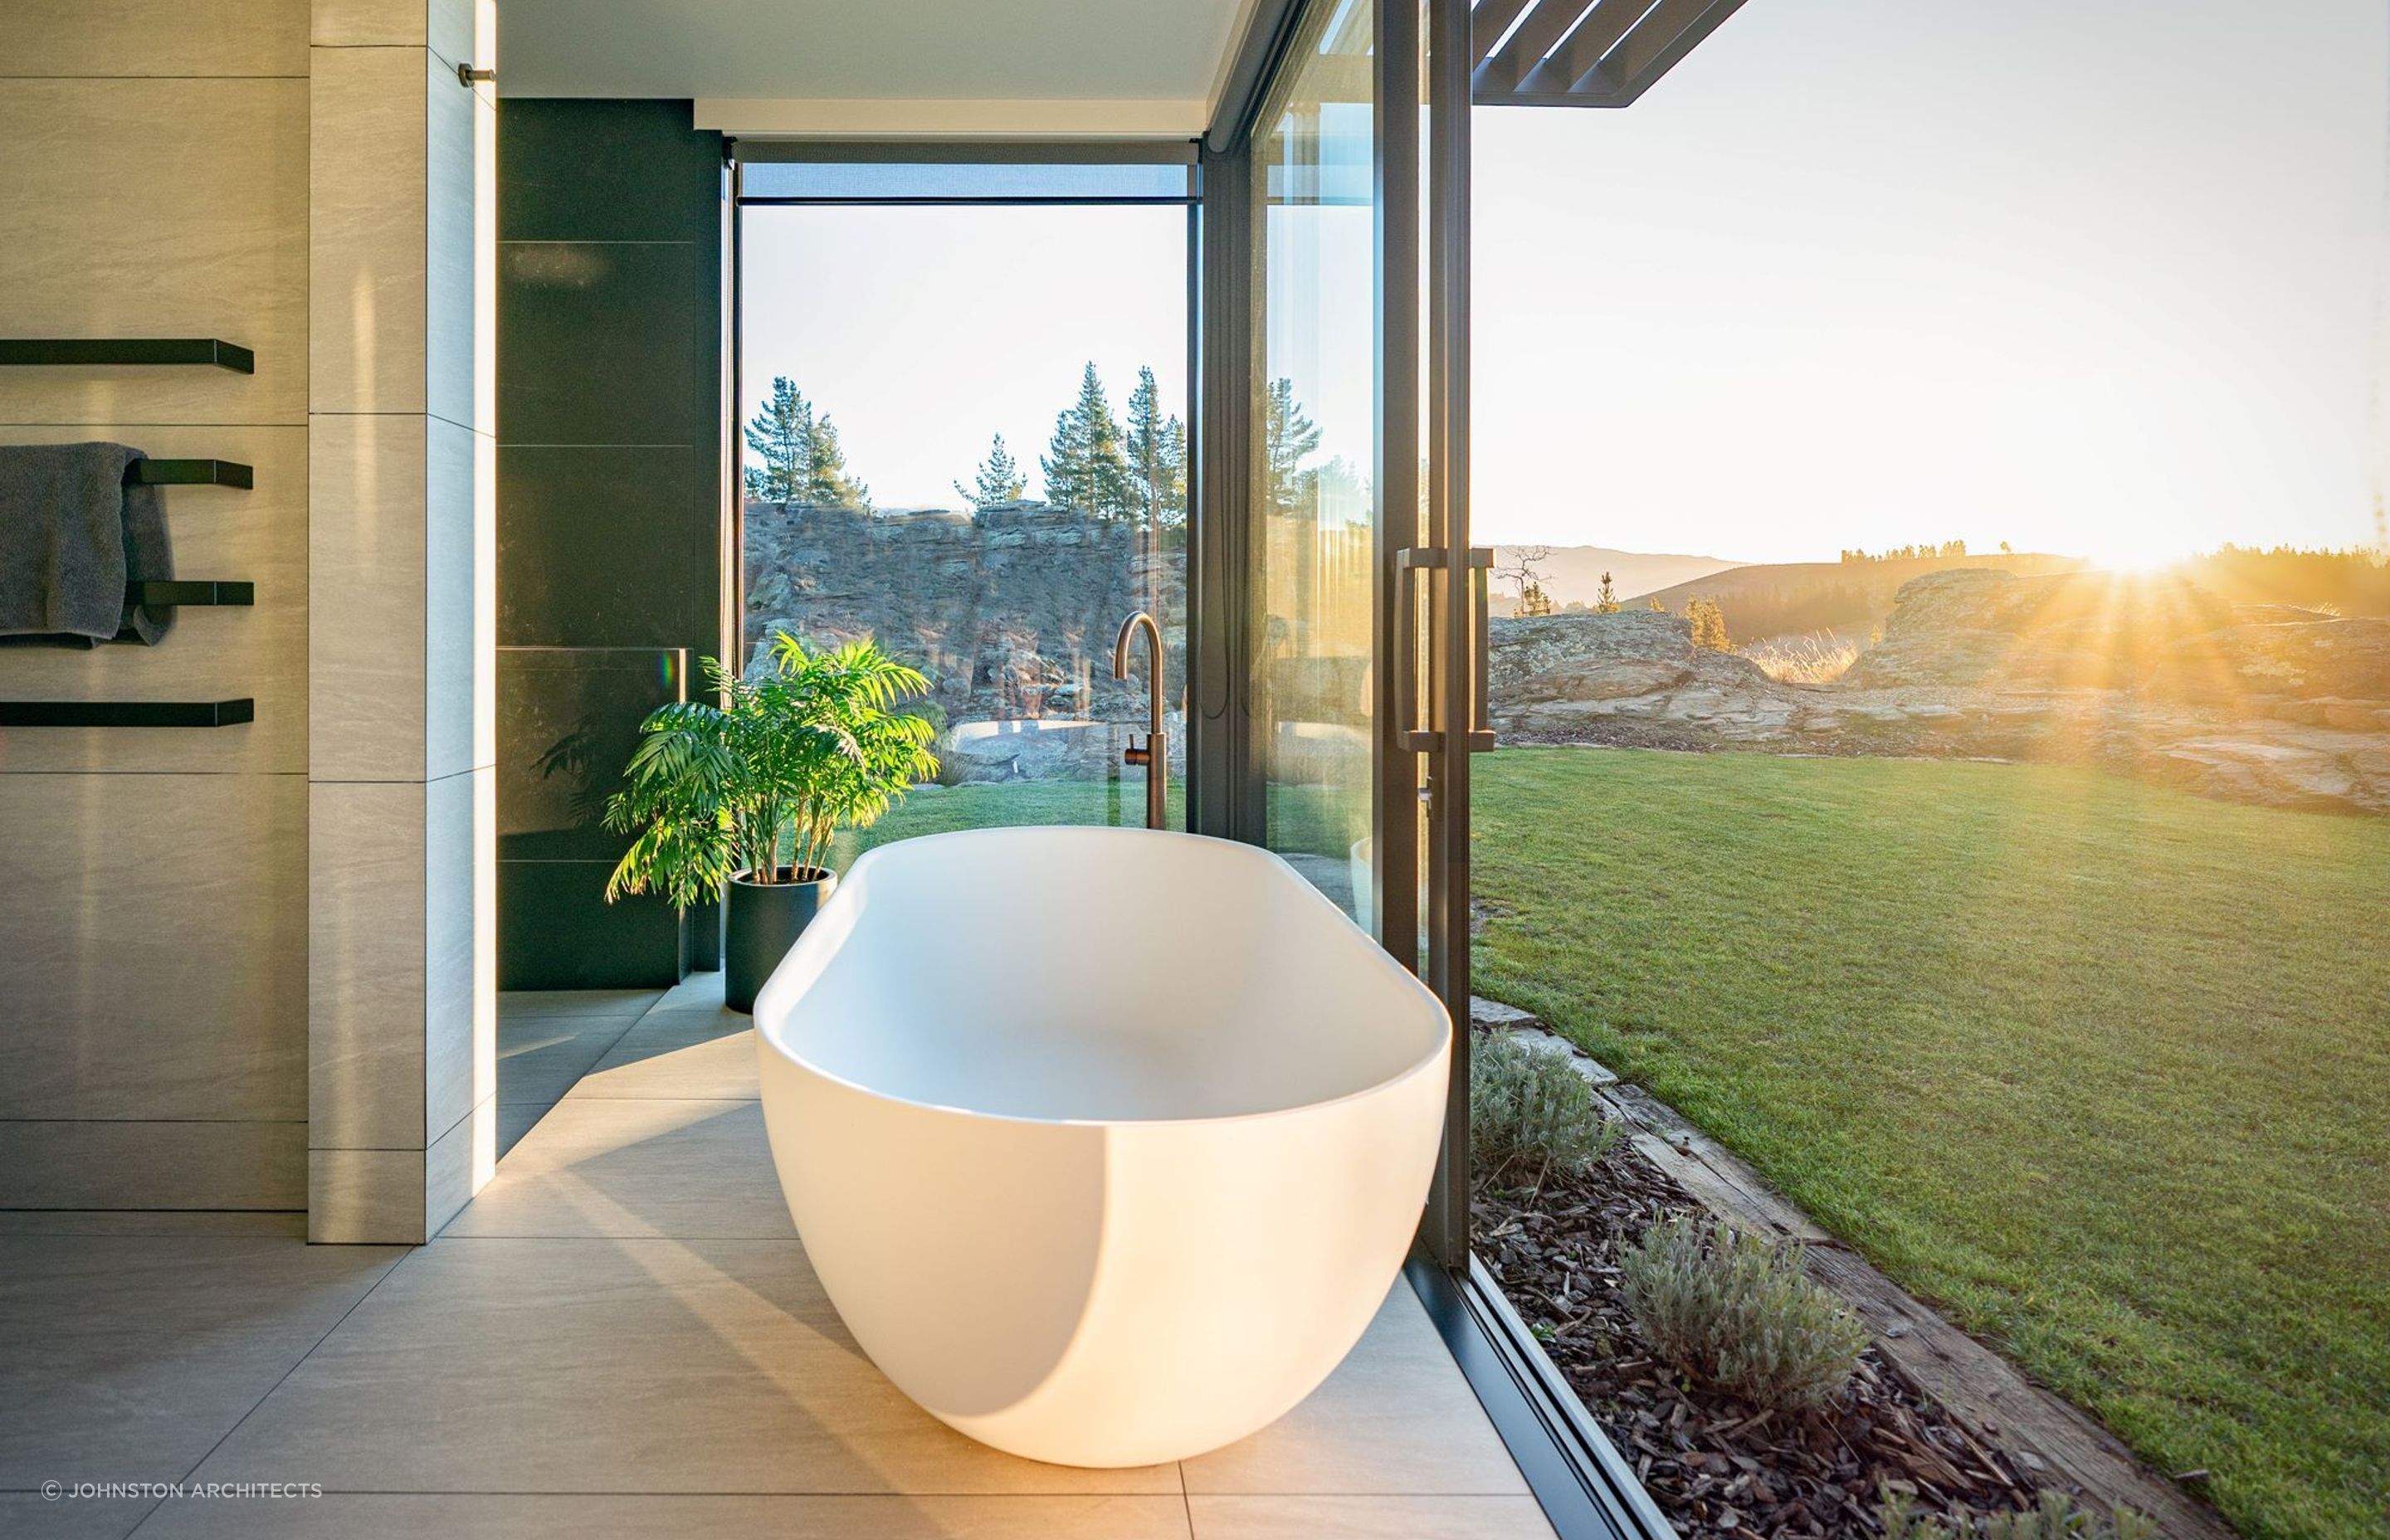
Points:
[(745, 796)]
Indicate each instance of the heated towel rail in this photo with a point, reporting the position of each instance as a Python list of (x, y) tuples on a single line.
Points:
[(189, 473), (127, 714), (91, 351), (202, 351)]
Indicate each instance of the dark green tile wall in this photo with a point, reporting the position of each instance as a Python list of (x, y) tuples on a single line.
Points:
[(609, 509)]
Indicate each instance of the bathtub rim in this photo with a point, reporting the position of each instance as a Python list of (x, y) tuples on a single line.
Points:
[(767, 1027)]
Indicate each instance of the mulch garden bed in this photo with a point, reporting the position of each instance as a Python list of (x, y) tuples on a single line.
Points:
[(1717, 1465)]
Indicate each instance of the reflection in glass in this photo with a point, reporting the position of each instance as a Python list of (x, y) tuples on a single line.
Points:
[(1315, 435)]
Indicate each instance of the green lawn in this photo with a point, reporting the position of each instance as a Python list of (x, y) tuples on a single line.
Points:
[(943, 809), (1304, 818), (2102, 1068)]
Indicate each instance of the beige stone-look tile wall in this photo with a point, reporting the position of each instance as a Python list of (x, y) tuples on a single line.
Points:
[(402, 1027), (153, 882), (250, 968)]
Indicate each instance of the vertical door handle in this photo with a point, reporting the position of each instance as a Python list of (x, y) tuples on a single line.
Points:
[(1480, 737), (1409, 562)]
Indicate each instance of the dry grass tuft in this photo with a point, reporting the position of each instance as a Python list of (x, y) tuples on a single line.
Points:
[(1819, 659)]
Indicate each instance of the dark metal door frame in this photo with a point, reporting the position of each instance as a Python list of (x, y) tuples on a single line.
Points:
[(1457, 603)]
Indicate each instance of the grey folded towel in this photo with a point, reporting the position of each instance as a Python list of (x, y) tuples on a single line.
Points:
[(71, 535)]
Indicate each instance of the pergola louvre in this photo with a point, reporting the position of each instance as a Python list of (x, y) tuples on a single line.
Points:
[(1572, 52)]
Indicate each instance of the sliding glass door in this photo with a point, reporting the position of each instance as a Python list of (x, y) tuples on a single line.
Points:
[(1366, 599)]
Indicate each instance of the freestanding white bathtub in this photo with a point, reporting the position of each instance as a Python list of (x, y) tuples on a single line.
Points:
[(1105, 1143)]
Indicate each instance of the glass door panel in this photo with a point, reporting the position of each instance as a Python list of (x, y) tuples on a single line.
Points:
[(1315, 551)]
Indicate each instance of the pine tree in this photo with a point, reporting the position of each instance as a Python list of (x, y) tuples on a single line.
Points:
[(782, 434), (1606, 601), (803, 459), (1174, 457), (998, 480), (1085, 466), (1709, 624), (827, 481), (1157, 456), (1289, 438)]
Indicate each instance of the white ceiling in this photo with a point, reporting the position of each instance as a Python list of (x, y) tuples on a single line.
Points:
[(959, 68)]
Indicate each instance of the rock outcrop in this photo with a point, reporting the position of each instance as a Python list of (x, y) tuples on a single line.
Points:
[(2073, 631), (2150, 677), (1010, 611), (1632, 676)]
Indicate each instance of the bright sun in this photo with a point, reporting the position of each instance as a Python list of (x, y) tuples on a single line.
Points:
[(2132, 556)]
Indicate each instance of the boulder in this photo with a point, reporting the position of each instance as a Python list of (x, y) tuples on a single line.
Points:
[(1599, 679), (2270, 770), (1630, 678)]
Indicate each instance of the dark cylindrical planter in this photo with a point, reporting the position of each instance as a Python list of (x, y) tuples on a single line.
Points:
[(765, 920)]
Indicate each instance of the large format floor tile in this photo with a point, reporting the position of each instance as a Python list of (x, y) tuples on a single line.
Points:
[(697, 990), (1367, 1518), (126, 1357), (679, 1053), (523, 1004), (447, 1517), (154, 1223), (1395, 1418), (516, 1119), (31, 1516), (624, 1366), (541, 1058), (619, 1166)]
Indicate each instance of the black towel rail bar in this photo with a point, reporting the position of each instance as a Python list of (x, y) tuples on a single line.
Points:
[(182, 473), (128, 350), (127, 714), (190, 593)]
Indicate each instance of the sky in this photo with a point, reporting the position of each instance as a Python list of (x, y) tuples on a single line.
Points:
[(2100, 276), (924, 330)]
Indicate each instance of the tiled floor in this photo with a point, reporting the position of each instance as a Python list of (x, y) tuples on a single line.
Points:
[(548, 1040), (621, 1337)]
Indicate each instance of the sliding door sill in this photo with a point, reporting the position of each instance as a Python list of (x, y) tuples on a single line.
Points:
[(1587, 1490)]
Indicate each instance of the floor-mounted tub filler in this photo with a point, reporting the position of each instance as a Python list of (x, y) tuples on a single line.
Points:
[(1106, 1143)]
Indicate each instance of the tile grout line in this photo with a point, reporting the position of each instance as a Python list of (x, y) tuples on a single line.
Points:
[(280, 1380)]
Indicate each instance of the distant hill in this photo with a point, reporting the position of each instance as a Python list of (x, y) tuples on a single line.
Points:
[(1574, 572), (1797, 599), (2353, 583)]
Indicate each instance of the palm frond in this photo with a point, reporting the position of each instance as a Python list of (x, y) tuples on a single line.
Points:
[(805, 746)]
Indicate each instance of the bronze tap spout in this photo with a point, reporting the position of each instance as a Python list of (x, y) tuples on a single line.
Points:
[(1155, 755)]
